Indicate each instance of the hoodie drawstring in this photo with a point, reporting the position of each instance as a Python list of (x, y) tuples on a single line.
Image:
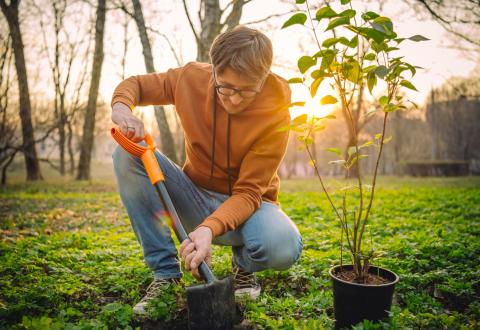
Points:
[(212, 164), (228, 156)]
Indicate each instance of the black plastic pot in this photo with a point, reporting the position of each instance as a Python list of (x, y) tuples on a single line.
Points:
[(355, 302)]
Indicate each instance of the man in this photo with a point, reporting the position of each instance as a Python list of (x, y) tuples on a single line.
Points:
[(227, 190)]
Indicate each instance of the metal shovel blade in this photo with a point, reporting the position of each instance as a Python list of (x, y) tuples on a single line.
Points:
[(211, 305)]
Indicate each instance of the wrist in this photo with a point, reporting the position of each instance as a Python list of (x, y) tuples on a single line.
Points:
[(122, 107), (206, 230)]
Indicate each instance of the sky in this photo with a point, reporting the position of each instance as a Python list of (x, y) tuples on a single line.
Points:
[(439, 60)]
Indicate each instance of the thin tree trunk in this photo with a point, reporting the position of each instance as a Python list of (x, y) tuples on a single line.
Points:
[(210, 15), (70, 148), (31, 160), (167, 141), (89, 123), (352, 139)]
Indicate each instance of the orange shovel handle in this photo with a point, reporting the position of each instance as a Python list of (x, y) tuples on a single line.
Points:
[(147, 154)]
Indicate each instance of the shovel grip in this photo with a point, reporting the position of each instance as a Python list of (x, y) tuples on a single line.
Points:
[(147, 154)]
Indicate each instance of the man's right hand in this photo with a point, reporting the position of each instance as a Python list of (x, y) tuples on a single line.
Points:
[(129, 125)]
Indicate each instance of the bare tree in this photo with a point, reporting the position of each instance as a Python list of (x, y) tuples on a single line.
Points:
[(89, 123), (210, 15), (61, 59), (31, 160), (9, 145), (459, 18), (167, 142)]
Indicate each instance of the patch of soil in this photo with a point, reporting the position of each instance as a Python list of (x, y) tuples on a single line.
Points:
[(370, 279)]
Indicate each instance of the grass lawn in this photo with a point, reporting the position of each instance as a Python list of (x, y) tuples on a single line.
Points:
[(69, 259)]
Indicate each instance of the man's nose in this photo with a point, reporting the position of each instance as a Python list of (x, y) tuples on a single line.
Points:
[(236, 99)]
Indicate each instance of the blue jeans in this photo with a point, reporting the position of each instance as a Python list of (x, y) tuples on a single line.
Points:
[(267, 240)]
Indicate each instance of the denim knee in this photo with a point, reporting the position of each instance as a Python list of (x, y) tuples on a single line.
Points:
[(277, 252)]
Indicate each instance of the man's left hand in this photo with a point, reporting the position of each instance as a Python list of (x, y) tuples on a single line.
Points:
[(197, 249)]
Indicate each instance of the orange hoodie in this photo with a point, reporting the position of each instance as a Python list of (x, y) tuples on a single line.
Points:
[(246, 145)]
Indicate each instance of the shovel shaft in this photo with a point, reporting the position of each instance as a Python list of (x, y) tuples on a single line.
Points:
[(155, 174), (180, 232)]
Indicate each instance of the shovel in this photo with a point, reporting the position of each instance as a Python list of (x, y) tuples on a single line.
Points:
[(210, 305)]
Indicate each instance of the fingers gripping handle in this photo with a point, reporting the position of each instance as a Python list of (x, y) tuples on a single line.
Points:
[(145, 153)]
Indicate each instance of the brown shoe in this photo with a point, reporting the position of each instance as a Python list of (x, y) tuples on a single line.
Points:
[(245, 283), (154, 290)]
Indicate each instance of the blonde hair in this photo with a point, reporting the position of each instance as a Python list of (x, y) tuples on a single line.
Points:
[(244, 50)]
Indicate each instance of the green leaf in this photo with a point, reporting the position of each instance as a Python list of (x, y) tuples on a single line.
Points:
[(332, 41), (325, 12), (299, 1), (370, 57), (371, 80), (337, 22), (328, 99), (327, 59), (388, 139), (353, 43), (298, 18), (408, 84), (295, 81), (381, 71), (329, 42), (390, 107), (411, 68), (306, 62), (302, 119), (378, 136), (338, 162), (344, 2), (383, 100), (314, 87), (352, 71), (391, 49), (370, 33), (418, 38), (382, 24), (328, 117), (335, 150), (355, 159), (297, 104), (366, 144), (369, 15), (378, 46), (350, 13)]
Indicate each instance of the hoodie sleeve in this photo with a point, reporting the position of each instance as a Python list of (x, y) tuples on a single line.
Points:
[(148, 89), (257, 170)]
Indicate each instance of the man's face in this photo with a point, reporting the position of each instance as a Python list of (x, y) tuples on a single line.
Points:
[(240, 90)]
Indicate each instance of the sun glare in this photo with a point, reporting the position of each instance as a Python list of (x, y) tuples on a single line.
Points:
[(312, 106)]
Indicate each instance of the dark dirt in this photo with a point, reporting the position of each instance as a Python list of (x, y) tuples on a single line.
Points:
[(371, 279)]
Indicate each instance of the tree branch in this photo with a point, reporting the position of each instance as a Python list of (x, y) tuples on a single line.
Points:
[(269, 16), (190, 21)]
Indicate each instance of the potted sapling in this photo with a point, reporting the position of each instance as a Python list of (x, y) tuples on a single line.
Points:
[(353, 51)]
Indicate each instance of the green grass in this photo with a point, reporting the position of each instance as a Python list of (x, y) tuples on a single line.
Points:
[(69, 259)]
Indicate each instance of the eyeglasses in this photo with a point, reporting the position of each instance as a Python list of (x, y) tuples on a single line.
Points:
[(230, 91)]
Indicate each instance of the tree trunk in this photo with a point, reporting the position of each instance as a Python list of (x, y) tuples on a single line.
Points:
[(168, 144), (210, 15), (89, 123), (62, 137), (354, 131), (31, 160)]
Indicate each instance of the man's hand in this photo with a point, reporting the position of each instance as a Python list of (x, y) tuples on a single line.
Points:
[(197, 249), (130, 126)]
